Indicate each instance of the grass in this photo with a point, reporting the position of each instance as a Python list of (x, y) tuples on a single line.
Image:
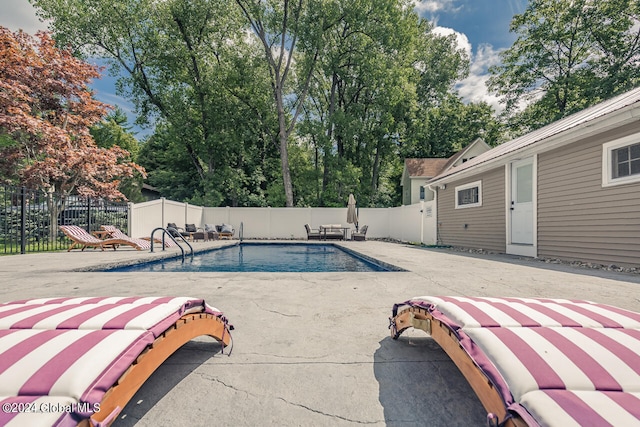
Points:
[(13, 248)]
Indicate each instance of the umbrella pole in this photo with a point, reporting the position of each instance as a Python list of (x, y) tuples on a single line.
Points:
[(358, 215)]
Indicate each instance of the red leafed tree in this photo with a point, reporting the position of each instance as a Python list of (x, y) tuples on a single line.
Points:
[(46, 110)]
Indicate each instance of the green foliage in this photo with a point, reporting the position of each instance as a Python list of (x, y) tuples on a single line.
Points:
[(569, 54), (442, 131), (240, 124), (114, 131)]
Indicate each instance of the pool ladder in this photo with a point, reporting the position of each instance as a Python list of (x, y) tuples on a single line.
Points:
[(166, 232)]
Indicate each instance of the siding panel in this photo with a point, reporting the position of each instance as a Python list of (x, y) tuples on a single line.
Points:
[(485, 225), (578, 219)]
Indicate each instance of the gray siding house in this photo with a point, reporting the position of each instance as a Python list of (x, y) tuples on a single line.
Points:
[(570, 190)]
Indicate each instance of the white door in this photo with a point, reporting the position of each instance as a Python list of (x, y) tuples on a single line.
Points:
[(522, 202)]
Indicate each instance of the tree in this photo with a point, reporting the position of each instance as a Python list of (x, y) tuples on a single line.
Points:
[(46, 110), (189, 65), (569, 54), (446, 129), (285, 28), (380, 69), (113, 130)]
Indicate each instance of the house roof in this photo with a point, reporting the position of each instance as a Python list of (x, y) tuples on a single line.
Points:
[(425, 167), (583, 118), (430, 167)]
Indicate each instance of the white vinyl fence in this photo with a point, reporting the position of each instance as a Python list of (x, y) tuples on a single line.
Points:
[(413, 223)]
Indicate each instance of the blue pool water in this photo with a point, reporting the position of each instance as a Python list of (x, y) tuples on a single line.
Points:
[(265, 257)]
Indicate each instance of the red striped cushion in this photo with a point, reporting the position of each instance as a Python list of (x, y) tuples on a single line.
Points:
[(564, 362), (37, 411), (584, 408), (76, 348), (118, 234), (529, 312), (80, 233), (79, 364), (143, 313)]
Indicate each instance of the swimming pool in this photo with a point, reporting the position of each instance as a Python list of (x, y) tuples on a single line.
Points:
[(267, 257)]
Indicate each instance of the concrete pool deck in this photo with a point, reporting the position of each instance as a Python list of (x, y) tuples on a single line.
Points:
[(312, 349)]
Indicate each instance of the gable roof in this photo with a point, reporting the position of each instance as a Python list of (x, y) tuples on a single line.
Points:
[(430, 167), (423, 168), (462, 152), (563, 131)]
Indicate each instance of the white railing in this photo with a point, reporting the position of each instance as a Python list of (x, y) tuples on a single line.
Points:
[(412, 223)]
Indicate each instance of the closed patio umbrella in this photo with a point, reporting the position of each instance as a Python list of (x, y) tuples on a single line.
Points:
[(352, 215)]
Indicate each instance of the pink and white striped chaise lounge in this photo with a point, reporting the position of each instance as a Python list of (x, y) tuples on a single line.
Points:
[(537, 362), (78, 361)]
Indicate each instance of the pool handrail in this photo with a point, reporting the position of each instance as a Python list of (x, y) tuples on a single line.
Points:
[(166, 232)]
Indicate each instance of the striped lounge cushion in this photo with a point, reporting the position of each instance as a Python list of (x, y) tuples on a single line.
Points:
[(74, 349), (555, 362), (116, 233)]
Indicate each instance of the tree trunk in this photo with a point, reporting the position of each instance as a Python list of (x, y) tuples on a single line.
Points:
[(284, 151), (375, 174)]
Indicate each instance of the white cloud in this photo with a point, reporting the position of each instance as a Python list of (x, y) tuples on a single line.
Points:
[(20, 14), (432, 6), (474, 87), (461, 39)]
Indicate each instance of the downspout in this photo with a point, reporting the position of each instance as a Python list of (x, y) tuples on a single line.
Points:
[(435, 213)]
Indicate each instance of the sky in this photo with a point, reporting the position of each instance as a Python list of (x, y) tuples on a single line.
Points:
[(481, 28)]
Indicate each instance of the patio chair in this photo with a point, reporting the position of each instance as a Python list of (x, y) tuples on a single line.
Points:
[(81, 238), (210, 232), (207, 233), (116, 233), (535, 362), (312, 233), (89, 356), (176, 231), (360, 235), (196, 233), (225, 231)]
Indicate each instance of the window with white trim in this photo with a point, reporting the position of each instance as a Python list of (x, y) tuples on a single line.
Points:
[(469, 195), (621, 161)]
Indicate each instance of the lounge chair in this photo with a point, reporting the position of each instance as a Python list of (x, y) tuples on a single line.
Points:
[(81, 238), (537, 361), (360, 235), (116, 233), (312, 234), (71, 361)]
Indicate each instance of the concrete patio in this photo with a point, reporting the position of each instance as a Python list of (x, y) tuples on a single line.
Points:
[(312, 349)]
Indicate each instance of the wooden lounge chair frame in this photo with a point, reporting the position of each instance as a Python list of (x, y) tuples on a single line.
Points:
[(184, 330), (115, 233), (420, 318), (85, 240)]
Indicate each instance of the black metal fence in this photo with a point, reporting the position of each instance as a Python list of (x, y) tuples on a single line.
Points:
[(29, 219)]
